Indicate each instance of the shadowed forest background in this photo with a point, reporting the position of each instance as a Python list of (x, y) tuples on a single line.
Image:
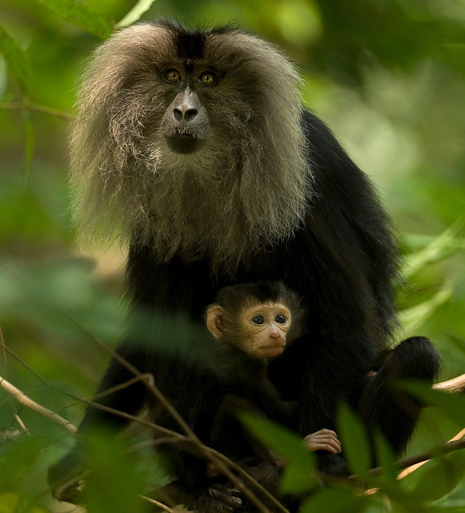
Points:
[(387, 76)]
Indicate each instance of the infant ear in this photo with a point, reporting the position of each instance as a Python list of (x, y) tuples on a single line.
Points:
[(214, 321)]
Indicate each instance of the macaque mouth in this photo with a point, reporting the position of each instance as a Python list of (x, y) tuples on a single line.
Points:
[(184, 142), (270, 351)]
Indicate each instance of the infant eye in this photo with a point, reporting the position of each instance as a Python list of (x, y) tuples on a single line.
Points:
[(258, 319), (281, 319)]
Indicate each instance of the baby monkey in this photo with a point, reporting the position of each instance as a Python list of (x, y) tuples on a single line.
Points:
[(260, 320), (254, 323)]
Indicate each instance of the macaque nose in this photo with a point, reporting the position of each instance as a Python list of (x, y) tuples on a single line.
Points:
[(185, 114), (186, 106), (274, 332)]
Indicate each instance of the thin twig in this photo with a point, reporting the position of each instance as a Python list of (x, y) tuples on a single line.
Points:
[(23, 363), (223, 463), (454, 445), (27, 105), (427, 455), (32, 405), (159, 504), (196, 447), (413, 465)]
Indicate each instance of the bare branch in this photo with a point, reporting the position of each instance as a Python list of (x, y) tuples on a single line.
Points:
[(27, 105), (32, 405), (196, 447), (159, 504), (437, 451), (417, 464), (452, 386)]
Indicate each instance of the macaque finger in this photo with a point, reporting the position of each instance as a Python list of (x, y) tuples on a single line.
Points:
[(323, 440)]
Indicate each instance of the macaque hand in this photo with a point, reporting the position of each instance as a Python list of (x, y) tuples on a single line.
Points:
[(323, 440)]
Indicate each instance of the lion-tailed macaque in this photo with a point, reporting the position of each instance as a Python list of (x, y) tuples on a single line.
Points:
[(193, 150)]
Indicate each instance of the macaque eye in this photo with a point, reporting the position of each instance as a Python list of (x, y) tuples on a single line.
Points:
[(258, 319), (172, 75), (207, 78), (281, 319)]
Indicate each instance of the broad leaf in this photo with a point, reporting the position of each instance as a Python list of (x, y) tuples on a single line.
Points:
[(299, 474), (440, 477), (135, 13), (439, 248), (17, 61), (81, 16), (354, 440)]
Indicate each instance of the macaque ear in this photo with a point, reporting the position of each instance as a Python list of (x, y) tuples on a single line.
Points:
[(214, 324)]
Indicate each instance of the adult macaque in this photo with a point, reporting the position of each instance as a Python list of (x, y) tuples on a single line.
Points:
[(193, 148)]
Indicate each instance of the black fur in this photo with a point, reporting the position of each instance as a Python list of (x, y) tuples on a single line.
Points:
[(343, 264)]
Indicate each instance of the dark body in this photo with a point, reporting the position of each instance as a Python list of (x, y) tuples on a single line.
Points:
[(339, 258)]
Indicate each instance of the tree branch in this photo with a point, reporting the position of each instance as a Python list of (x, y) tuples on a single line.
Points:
[(417, 464), (452, 386), (27, 105), (447, 448), (32, 405)]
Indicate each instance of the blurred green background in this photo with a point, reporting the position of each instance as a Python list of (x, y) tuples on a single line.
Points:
[(388, 77)]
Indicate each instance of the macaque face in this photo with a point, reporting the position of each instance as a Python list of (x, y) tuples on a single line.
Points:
[(264, 330)]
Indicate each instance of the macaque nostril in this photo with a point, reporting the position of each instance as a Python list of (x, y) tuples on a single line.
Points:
[(185, 115), (190, 114)]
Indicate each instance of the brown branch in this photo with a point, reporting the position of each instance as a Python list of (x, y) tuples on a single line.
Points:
[(224, 464), (441, 450), (187, 443), (452, 386), (459, 437), (32, 405), (27, 105), (159, 504)]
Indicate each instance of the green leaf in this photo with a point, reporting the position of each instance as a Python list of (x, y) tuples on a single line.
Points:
[(3, 77), (30, 139), (17, 61), (135, 13), (386, 459), (438, 249), (81, 16), (334, 500), (439, 478), (452, 405), (114, 484), (411, 318), (17, 458), (300, 471), (455, 508), (15, 503), (354, 441)]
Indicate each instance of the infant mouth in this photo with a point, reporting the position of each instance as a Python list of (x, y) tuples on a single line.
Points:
[(271, 351)]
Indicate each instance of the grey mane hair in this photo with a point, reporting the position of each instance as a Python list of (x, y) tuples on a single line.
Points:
[(248, 187)]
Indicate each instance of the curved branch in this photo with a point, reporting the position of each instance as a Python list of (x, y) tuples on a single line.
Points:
[(452, 386)]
